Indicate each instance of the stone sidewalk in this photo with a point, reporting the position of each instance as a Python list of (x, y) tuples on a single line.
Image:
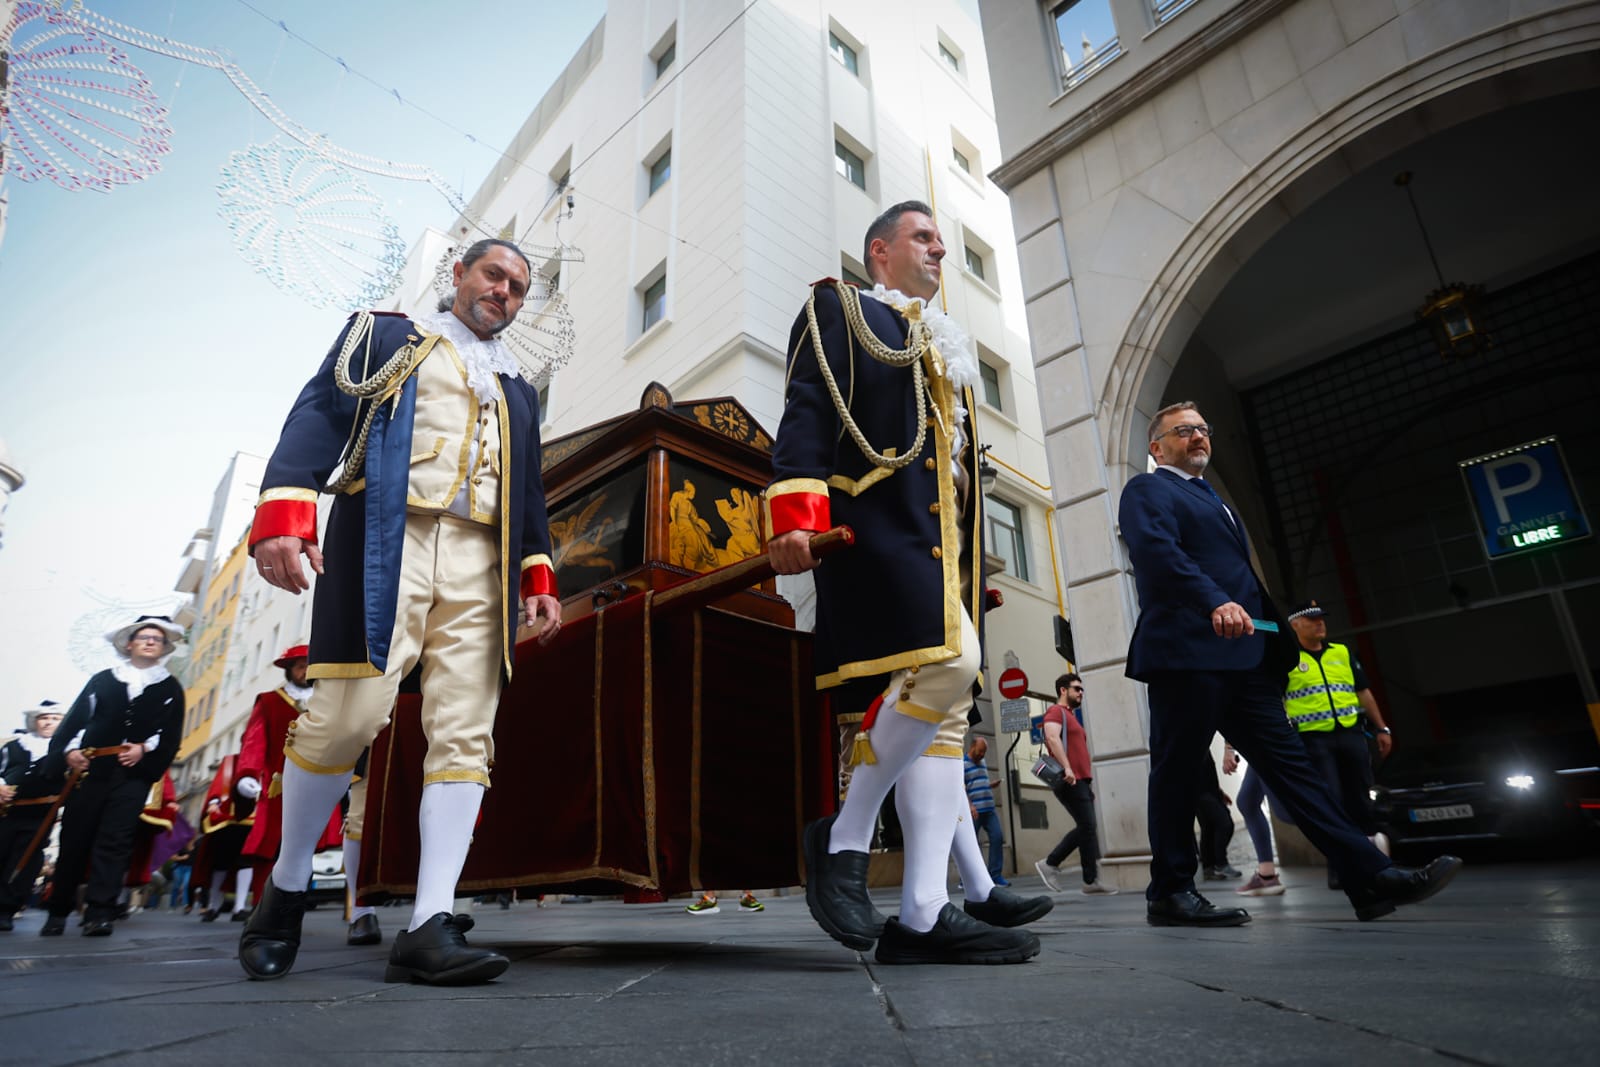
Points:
[(1502, 968)]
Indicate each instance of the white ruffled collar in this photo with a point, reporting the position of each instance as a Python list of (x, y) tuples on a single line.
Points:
[(33, 744), (297, 693), (948, 336), (484, 360), (139, 679)]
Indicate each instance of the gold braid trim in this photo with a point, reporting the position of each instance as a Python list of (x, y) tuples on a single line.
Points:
[(918, 339), (381, 384)]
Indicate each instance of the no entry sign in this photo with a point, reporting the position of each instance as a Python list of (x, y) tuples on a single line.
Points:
[(1013, 683)]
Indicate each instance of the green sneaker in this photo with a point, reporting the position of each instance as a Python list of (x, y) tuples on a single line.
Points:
[(748, 902), (706, 905)]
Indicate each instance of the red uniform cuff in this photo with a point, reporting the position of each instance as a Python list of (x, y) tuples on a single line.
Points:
[(799, 511), (285, 518), (538, 580)]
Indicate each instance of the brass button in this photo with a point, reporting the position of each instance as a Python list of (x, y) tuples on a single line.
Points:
[(928, 463), (933, 508), (938, 552), (915, 669), (907, 686)]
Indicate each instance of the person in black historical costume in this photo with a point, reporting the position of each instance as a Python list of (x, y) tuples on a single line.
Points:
[(26, 793), (437, 545), (120, 736), (877, 434)]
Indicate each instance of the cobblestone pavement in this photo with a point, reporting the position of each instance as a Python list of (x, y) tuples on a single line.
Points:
[(1501, 968)]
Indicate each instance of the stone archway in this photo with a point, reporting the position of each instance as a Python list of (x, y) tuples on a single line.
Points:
[(1455, 84)]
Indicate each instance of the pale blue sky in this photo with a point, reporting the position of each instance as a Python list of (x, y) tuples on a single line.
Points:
[(142, 351)]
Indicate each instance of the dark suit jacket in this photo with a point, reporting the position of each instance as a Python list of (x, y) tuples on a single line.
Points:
[(1188, 559)]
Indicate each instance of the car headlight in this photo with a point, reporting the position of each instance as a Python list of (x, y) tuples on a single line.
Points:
[(1520, 781), (1372, 794)]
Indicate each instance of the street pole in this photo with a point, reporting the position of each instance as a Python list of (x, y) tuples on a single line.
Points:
[(1580, 661)]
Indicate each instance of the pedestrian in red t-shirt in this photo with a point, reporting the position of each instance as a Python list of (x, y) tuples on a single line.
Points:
[(1066, 742)]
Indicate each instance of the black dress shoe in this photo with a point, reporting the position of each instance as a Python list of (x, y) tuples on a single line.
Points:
[(242, 916), (437, 953), (97, 928), (364, 931), (1189, 908), (955, 938), (271, 937), (54, 926), (6, 924), (209, 915), (1007, 909), (1397, 885), (836, 890)]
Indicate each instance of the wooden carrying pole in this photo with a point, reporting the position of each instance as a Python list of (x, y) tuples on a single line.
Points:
[(725, 581)]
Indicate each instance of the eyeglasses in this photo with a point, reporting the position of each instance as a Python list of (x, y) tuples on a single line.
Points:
[(159, 639), (1187, 431), (1074, 688)]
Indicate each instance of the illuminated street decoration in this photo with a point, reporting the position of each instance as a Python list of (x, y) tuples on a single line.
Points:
[(76, 112), (311, 226)]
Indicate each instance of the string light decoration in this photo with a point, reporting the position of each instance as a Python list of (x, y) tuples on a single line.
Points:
[(542, 336), (75, 111), (98, 28), (87, 645), (312, 227)]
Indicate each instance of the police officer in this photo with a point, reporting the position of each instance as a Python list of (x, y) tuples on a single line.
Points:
[(1326, 694)]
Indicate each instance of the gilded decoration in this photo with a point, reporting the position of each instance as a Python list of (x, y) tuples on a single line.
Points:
[(700, 543), (731, 420), (600, 532)]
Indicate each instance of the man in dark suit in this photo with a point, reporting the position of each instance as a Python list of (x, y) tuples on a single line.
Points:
[(1210, 667)]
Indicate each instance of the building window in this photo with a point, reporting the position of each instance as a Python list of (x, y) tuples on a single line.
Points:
[(963, 164), (660, 171), (852, 276), (544, 402), (951, 58), (1166, 9), (975, 262), (664, 60), (664, 53), (655, 303), (844, 54), (849, 165), (1005, 536), (991, 385), (1086, 38)]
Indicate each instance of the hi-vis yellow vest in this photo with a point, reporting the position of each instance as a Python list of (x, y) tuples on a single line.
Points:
[(1322, 693)]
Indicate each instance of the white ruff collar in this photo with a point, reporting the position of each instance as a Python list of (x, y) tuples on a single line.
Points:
[(136, 679), (948, 336), (483, 359), (35, 745), (297, 693)]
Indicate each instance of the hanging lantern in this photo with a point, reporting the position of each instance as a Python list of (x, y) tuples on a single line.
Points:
[(1455, 314)]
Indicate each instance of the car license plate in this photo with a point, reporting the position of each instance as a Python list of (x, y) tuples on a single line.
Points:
[(1448, 811)]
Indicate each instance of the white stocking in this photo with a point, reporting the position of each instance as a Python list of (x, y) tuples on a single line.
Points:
[(241, 889), (897, 741), (976, 885), (352, 867), (214, 898), (930, 798), (446, 818), (308, 801)]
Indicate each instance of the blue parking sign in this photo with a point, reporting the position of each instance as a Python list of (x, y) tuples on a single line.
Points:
[(1524, 498)]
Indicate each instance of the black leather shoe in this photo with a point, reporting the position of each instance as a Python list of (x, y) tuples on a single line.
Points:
[(1397, 885), (955, 938), (1007, 909), (98, 928), (242, 916), (1189, 908), (364, 931), (54, 926), (6, 924), (271, 937), (437, 953), (209, 915), (836, 890)]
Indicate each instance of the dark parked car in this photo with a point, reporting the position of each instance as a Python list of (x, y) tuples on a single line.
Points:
[(1542, 792)]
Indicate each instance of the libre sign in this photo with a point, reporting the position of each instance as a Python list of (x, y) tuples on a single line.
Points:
[(1524, 498)]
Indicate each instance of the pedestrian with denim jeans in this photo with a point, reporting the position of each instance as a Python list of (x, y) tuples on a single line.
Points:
[(980, 799), (1068, 745)]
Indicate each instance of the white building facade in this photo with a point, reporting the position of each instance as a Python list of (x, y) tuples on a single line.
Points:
[(1205, 198)]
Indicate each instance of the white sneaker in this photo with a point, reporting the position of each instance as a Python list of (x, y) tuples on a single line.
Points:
[(1048, 873), (1091, 889)]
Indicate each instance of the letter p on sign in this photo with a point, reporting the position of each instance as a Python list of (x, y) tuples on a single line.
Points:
[(1502, 478)]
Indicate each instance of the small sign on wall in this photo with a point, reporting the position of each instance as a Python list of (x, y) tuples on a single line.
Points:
[(1524, 499)]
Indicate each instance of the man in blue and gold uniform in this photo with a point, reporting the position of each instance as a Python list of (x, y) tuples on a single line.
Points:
[(437, 545), (877, 434)]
